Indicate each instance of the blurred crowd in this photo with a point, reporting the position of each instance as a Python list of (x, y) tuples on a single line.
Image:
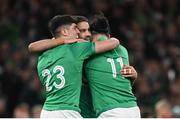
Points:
[(149, 29)]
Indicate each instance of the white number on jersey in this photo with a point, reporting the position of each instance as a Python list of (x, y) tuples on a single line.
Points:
[(113, 66), (47, 73)]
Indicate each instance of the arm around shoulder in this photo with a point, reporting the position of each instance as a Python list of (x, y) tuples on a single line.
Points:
[(45, 44), (106, 45), (42, 45)]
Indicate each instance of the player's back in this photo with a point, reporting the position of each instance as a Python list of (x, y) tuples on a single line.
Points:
[(109, 89), (60, 71)]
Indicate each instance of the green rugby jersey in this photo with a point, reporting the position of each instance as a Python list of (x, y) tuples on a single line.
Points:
[(108, 87), (86, 102), (60, 72)]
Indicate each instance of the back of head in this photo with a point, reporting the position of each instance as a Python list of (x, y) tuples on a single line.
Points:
[(58, 21), (100, 24)]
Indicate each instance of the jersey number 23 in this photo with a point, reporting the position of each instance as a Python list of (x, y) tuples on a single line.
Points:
[(46, 73)]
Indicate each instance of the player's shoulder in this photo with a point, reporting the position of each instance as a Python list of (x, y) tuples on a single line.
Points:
[(122, 51), (56, 52), (121, 48), (82, 45), (82, 50)]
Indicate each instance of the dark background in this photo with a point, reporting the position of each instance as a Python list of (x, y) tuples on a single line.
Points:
[(149, 29)]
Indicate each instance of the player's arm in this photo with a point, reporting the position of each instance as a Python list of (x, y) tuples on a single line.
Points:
[(45, 44), (106, 45)]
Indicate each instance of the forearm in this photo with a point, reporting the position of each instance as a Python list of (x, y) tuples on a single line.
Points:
[(106, 45), (45, 44)]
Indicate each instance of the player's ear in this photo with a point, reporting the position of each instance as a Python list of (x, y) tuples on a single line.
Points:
[(64, 32)]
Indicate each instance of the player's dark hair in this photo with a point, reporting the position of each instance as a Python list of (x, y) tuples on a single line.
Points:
[(59, 21), (100, 24), (80, 19)]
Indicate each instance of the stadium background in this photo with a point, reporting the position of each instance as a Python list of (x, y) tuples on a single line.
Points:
[(150, 30)]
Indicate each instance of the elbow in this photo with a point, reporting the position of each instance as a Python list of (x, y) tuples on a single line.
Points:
[(30, 48), (116, 42)]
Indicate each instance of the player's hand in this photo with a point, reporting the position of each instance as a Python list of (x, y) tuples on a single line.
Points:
[(129, 71)]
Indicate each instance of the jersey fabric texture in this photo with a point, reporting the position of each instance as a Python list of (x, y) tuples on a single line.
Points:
[(86, 102), (108, 87), (60, 72)]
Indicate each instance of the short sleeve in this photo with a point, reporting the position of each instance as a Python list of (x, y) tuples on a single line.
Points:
[(83, 50)]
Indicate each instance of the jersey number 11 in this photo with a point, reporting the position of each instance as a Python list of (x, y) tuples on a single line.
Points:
[(113, 66)]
